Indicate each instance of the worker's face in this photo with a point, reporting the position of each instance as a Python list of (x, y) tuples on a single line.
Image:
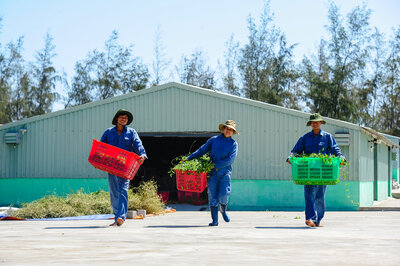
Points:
[(316, 125), (228, 132), (122, 120)]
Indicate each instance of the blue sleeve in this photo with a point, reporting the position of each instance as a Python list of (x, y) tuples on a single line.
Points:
[(228, 160), (299, 147), (334, 147), (201, 151), (137, 145), (104, 137)]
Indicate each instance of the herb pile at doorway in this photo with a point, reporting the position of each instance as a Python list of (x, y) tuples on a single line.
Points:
[(199, 165)]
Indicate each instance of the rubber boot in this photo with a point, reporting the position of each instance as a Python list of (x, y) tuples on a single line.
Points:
[(214, 216), (223, 209)]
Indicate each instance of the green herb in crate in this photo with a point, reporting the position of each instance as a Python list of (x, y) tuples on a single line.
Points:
[(199, 165)]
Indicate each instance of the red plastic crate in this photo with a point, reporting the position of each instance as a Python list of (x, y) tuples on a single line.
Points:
[(114, 160), (191, 181), (188, 196), (164, 196)]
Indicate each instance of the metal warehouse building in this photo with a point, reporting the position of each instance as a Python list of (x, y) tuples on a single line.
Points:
[(48, 153), (396, 158)]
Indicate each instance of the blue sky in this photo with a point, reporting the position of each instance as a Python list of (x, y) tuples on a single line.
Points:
[(81, 26)]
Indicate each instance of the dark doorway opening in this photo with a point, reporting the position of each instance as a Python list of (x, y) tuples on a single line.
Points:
[(162, 148)]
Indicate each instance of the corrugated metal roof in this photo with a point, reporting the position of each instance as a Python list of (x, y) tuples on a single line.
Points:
[(180, 86), (379, 136)]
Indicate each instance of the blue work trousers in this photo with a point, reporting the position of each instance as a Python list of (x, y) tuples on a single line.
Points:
[(314, 196), (118, 195), (219, 189)]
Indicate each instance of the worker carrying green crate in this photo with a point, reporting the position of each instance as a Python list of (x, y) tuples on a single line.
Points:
[(320, 142)]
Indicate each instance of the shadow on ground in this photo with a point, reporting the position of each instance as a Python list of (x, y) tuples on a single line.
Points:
[(76, 227), (176, 226), (284, 227)]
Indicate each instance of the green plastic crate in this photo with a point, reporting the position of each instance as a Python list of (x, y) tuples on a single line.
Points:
[(315, 171)]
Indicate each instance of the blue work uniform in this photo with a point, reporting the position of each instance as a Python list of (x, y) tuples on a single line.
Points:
[(314, 195), (128, 140), (223, 152)]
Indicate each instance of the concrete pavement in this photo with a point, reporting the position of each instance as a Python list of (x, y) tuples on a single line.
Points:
[(390, 204), (183, 238)]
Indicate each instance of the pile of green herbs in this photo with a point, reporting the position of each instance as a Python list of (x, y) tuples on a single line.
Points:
[(199, 165), (326, 158), (80, 203)]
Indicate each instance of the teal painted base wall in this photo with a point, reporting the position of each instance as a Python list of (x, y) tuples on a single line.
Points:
[(246, 194), (382, 190), (14, 191), (366, 194), (284, 195), (395, 174)]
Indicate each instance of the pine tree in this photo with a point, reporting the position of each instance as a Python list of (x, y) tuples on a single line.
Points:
[(266, 63), (230, 75), (160, 62), (45, 78), (332, 81), (390, 112), (194, 71)]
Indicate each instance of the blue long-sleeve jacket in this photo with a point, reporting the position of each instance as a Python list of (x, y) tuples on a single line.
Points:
[(128, 140), (322, 143), (223, 152)]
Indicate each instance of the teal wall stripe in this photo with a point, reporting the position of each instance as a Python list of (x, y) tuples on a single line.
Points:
[(14, 191), (285, 195)]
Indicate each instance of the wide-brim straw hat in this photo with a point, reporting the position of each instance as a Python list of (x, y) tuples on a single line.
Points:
[(315, 118), (229, 123), (122, 112)]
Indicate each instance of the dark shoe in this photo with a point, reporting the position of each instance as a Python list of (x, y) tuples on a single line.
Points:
[(223, 209), (120, 221), (310, 223), (214, 216)]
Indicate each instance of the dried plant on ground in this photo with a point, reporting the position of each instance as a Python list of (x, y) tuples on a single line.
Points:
[(80, 203)]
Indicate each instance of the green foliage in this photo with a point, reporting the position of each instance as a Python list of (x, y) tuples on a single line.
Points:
[(160, 62), (44, 81), (231, 76), (266, 63), (26, 89), (194, 71), (80, 91), (199, 165), (333, 79), (326, 157), (389, 115), (104, 74)]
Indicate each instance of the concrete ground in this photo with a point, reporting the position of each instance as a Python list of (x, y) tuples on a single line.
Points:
[(183, 238), (390, 204)]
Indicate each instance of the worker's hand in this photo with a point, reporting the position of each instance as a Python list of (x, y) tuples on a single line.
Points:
[(141, 159), (288, 161), (343, 160)]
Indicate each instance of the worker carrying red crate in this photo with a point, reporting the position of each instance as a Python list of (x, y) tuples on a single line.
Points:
[(127, 139), (223, 150)]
